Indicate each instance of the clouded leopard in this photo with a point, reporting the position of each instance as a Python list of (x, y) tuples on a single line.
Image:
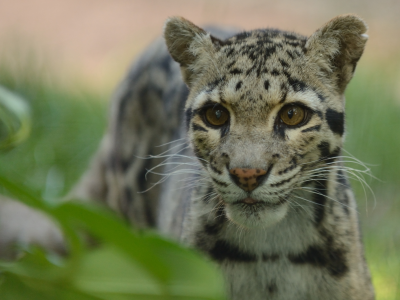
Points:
[(231, 143)]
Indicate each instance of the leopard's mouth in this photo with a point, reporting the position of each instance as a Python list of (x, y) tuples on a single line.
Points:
[(260, 203), (254, 213)]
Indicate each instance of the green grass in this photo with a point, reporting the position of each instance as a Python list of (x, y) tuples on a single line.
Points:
[(67, 124), (373, 126)]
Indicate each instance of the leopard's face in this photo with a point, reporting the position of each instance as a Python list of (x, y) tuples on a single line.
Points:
[(260, 135), (265, 113)]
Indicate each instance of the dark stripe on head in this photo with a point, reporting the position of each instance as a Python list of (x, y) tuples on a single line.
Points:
[(296, 84), (215, 170), (212, 85), (219, 182), (282, 182), (335, 121), (223, 250), (196, 127), (284, 92), (313, 128)]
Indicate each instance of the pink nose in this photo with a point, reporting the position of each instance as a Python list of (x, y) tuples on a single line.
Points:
[(247, 179)]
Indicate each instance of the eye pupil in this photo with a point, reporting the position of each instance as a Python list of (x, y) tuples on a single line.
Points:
[(290, 113), (218, 114)]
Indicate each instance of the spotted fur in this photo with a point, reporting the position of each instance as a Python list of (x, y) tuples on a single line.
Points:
[(292, 234)]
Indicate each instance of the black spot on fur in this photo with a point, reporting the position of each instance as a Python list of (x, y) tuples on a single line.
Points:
[(230, 52), (238, 85), (324, 148), (290, 53), (266, 85), (223, 250), (275, 72), (313, 128), (250, 70), (335, 121), (231, 64), (236, 71), (283, 63)]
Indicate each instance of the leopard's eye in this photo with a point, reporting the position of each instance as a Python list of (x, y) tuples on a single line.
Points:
[(217, 115), (292, 115)]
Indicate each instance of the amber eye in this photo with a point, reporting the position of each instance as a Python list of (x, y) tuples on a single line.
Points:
[(217, 115), (292, 115)]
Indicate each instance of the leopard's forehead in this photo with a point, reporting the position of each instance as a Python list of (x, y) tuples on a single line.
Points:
[(261, 45), (258, 70)]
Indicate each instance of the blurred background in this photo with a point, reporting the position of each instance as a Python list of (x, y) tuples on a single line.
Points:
[(65, 57)]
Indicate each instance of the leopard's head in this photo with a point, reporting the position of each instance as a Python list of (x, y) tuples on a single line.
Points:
[(265, 109)]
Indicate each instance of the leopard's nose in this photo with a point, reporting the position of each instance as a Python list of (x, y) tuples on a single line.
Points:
[(247, 179)]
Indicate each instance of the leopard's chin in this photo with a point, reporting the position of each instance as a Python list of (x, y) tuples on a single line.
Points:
[(256, 214)]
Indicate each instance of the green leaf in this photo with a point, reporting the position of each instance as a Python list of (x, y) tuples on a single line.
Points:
[(15, 118)]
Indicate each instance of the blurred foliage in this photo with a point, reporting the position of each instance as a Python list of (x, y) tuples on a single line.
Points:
[(127, 265), (67, 124), (15, 121), (66, 129)]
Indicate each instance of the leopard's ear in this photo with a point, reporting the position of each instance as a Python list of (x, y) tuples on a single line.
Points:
[(190, 46), (336, 48)]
